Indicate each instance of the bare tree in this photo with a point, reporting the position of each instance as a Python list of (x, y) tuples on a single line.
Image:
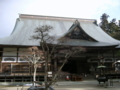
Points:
[(51, 45), (67, 53), (34, 56)]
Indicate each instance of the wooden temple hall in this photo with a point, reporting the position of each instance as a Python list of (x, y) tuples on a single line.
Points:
[(76, 31)]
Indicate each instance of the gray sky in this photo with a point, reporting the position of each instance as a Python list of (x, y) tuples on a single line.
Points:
[(89, 9)]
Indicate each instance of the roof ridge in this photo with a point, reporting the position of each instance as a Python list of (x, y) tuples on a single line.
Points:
[(53, 17)]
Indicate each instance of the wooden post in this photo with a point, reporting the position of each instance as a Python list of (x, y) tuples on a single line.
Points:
[(14, 77), (1, 66), (17, 53), (55, 65), (1, 59), (11, 68), (5, 77), (22, 77), (113, 55)]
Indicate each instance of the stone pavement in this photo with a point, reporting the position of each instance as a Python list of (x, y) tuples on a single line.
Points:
[(72, 85), (86, 85)]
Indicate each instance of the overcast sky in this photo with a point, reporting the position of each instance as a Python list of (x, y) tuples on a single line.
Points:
[(89, 9)]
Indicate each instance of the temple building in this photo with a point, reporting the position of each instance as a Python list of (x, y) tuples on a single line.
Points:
[(75, 31)]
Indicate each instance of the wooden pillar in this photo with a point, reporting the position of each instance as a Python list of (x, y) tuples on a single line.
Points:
[(30, 69), (55, 65), (1, 60), (11, 68), (17, 53), (0, 66), (113, 55)]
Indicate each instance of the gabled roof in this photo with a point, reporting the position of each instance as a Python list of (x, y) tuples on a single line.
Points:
[(26, 24), (87, 34), (76, 32)]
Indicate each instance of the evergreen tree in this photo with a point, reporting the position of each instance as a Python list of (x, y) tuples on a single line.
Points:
[(112, 28), (104, 22)]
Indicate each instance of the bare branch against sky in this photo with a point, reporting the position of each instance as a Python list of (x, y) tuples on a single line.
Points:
[(89, 9)]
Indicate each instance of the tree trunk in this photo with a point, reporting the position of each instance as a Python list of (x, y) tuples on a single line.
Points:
[(34, 76), (46, 74), (55, 76)]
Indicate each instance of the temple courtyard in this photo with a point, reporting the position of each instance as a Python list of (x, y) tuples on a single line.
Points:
[(72, 85)]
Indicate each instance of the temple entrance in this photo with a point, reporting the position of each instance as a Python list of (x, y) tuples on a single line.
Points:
[(70, 67), (79, 67)]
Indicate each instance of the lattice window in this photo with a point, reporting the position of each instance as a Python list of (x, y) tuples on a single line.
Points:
[(9, 59)]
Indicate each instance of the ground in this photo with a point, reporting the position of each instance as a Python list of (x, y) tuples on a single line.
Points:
[(70, 85)]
